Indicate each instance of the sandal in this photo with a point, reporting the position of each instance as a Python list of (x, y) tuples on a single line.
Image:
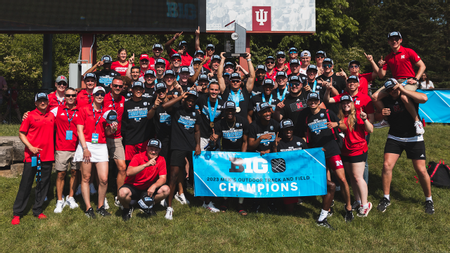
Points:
[(243, 212)]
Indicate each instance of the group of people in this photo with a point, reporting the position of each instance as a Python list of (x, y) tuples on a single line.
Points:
[(150, 118)]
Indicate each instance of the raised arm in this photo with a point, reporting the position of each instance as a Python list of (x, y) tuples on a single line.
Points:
[(197, 39), (170, 42), (375, 68), (130, 65), (381, 71), (220, 78), (251, 79), (194, 77)]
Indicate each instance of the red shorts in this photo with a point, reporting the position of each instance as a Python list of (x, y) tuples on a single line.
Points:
[(131, 150), (290, 200), (335, 162)]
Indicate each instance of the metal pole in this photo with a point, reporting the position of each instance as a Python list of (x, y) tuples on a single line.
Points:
[(47, 65)]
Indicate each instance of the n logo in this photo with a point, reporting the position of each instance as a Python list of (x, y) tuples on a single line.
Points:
[(261, 18)]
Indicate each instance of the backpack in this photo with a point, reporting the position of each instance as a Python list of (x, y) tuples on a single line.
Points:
[(439, 174)]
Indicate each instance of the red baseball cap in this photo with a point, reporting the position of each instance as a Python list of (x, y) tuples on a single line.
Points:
[(144, 57)]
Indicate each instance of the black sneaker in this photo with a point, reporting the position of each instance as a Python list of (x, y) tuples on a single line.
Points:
[(332, 203), (90, 213), (330, 213), (429, 207), (127, 213), (324, 223), (349, 216), (151, 212), (384, 203), (356, 206), (103, 212)]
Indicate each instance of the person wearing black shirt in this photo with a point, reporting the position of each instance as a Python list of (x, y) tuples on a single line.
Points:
[(321, 132), (210, 108), (262, 132), (202, 85), (282, 89), (169, 80), (160, 67), (338, 82), (184, 79), (185, 138), (260, 76), (106, 75), (149, 78), (295, 70), (267, 96), (402, 136)]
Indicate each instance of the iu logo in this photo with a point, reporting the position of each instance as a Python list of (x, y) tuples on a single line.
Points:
[(262, 18)]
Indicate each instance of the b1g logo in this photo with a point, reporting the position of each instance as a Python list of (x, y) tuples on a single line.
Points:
[(257, 165), (261, 18), (180, 10)]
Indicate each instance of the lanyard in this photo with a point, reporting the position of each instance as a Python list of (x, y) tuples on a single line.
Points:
[(212, 114), (70, 119), (112, 98), (314, 86), (264, 98), (38, 168), (60, 102), (93, 111), (281, 98), (236, 98), (89, 97)]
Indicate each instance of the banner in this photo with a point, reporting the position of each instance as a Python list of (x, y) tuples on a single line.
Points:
[(250, 175), (437, 108)]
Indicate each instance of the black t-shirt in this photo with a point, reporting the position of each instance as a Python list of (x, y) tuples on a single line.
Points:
[(401, 122), (293, 106), (278, 93), (202, 104), (232, 134), (319, 133), (105, 77), (261, 98), (339, 83), (162, 122), (149, 92), (257, 89), (183, 127), (256, 129), (296, 143), (136, 128), (241, 99)]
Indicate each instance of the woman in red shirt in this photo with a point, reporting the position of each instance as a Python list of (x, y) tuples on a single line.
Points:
[(121, 65), (354, 124), (92, 129)]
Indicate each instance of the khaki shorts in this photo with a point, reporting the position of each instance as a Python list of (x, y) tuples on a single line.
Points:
[(410, 87), (115, 148), (63, 159)]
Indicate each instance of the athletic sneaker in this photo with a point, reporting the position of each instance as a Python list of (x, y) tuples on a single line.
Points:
[(163, 203), (117, 203), (363, 212), (92, 189), (419, 128), (384, 203), (70, 201), (324, 223), (356, 206), (332, 203), (15, 220), (429, 207), (381, 124), (349, 216), (105, 204), (78, 192), (90, 213), (102, 211), (127, 213), (59, 206), (182, 199), (211, 207), (169, 213), (330, 213)]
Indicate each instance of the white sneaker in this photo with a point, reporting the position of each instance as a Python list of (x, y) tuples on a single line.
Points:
[(105, 204), (78, 192), (169, 213), (211, 207), (117, 203), (70, 201), (92, 189), (419, 128), (163, 203), (381, 124), (182, 199), (363, 212), (59, 206)]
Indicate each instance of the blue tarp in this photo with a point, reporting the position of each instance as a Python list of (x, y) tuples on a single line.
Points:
[(437, 108)]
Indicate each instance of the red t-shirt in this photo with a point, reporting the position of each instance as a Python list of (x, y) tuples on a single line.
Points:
[(355, 142), (118, 107), (401, 63), (152, 63), (273, 76), (62, 125), (288, 71), (122, 69), (54, 102), (364, 80), (361, 101), (185, 58), (39, 129), (87, 118), (206, 65), (84, 98), (148, 176)]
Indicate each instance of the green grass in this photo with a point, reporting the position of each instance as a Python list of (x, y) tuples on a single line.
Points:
[(403, 227), (9, 130)]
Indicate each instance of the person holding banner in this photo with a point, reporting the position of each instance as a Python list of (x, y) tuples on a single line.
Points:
[(322, 131), (355, 124), (262, 132), (267, 95), (185, 138)]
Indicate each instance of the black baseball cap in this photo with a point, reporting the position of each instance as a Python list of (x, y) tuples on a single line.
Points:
[(328, 60), (137, 84), (312, 95), (263, 106), (268, 81), (106, 59), (235, 75), (169, 72), (229, 105), (353, 78), (110, 116), (261, 67), (158, 46), (184, 70), (160, 86), (40, 95), (149, 72), (90, 75), (295, 61), (354, 62), (160, 61), (394, 34), (321, 52), (390, 83), (154, 143), (346, 98), (286, 123), (203, 77), (183, 42), (293, 49), (175, 56)]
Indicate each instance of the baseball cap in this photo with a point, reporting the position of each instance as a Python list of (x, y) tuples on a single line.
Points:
[(353, 78), (228, 63), (137, 84), (215, 57), (281, 73), (268, 81), (91, 75), (261, 67), (346, 98), (110, 116), (294, 79), (199, 52), (281, 53), (61, 79), (305, 53), (293, 50), (149, 72), (321, 52), (154, 143), (394, 34), (270, 58), (192, 93), (203, 77), (98, 88), (295, 61), (184, 70), (160, 61), (286, 123), (40, 95), (106, 59), (210, 46), (311, 66), (158, 46), (229, 105), (312, 95), (353, 62), (235, 75), (183, 42), (328, 60), (144, 57), (390, 83), (146, 202), (160, 86), (169, 72), (263, 106), (197, 60), (175, 56)]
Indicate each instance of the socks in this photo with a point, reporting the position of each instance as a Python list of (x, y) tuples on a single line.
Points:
[(387, 196), (365, 206), (323, 215), (428, 198)]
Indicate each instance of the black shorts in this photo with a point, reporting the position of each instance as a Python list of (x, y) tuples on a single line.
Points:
[(177, 158), (354, 159), (414, 150), (137, 194)]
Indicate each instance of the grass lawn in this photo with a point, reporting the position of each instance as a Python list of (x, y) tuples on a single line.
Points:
[(403, 227)]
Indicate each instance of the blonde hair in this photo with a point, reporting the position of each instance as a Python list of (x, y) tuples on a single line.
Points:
[(351, 119)]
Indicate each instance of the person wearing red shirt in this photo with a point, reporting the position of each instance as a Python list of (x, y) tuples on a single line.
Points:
[(157, 50), (366, 78), (146, 175), (121, 65), (270, 68), (36, 132), (115, 101), (65, 146), (92, 129), (182, 50), (56, 98), (85, 96), (281, 63), (354, 124)]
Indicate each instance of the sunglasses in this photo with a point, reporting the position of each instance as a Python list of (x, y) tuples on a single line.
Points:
[(327, 65), (281, 56), (62, 83), (235, 81), (295, 83), (144, 60), (210, 49), (270, 62), (71, 95), (176, 60), (161, 91), (320, 56), (293, 52), (118, 86), (353, 67), (99, 94)]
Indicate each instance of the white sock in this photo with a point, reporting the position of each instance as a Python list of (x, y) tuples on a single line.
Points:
[(428, 198), (366, 206), (323, 215), (387, 196), (359, 201)]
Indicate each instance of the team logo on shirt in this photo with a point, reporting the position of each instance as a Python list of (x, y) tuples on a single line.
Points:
[(357, 102), (237, 124), (165, 118), (187, 121), (321, 115), (266, 142), (318, 125), (271, 128), (402, 57), (145, 103), (298, 143), (233, 134)]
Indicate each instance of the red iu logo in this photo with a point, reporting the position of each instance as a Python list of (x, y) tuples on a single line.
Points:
[(261, 18)]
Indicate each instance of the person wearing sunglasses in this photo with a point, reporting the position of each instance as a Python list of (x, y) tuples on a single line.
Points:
[(56, 98), (149, 83), (115, 101), (366, 78), (329, 76), (157, 50), (281, 63), (182, 50), (175, 63), (106, 75), (92, 130), (270, 68), (293, 53), (85, 96), (37, 134), (305, 59)]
